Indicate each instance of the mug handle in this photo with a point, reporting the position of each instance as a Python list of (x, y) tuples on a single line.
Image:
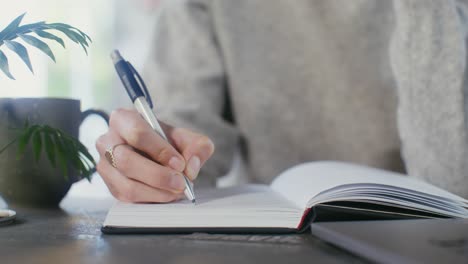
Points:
[(98, 112)]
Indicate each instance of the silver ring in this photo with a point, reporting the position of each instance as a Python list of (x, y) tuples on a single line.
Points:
[(110, 154)]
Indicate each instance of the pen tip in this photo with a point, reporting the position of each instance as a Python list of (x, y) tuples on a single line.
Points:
[(194, 201)]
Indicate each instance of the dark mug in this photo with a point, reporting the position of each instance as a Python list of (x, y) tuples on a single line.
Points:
[(22, 179)]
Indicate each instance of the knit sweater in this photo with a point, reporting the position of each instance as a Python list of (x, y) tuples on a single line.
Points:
[(372, 82)]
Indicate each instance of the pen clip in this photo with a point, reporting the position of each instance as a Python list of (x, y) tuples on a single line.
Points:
[(142, 84)]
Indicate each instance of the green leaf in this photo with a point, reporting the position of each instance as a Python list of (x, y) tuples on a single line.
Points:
[(4, 65), (88, 169), (61, 154), (24, 138), (81, 166), (84, 48), (14, 30), (41, 45), (74, 36), (61, 148), (85, 152), (37, 144), (85, 162), (71, 34), (62, 25), (50, 149), (11, 27), (47, 35), (21, 51), (28, 28), (72, 153)]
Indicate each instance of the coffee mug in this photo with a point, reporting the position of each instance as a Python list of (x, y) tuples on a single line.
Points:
[(23, 180)]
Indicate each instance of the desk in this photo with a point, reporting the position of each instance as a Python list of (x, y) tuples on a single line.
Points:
[(72, 235)]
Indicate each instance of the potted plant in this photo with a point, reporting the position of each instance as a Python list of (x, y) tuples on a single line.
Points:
[(40, 155)]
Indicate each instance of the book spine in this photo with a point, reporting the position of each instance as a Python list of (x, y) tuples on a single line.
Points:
[(306, 220)]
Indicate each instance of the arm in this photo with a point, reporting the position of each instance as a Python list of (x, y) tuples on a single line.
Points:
[(186, 78), (185, 75), (428, 56)]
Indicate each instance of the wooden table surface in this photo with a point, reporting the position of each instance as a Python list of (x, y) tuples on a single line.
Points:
[(71, 234)]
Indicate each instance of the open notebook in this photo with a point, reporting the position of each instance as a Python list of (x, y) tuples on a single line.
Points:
[(303, 194)]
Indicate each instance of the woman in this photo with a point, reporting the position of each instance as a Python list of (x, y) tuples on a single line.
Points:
[(371, 82)]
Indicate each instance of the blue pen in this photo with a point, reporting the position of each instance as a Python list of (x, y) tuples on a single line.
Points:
[(143, 103)]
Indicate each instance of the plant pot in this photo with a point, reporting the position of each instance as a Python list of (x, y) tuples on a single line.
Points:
[(23, 180)]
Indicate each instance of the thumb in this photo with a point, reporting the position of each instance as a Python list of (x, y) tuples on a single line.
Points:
[(195, 148)]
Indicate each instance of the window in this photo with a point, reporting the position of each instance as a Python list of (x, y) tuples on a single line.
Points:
[(123, 24)]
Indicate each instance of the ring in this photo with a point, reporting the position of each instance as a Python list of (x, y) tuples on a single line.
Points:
[(110, 154)]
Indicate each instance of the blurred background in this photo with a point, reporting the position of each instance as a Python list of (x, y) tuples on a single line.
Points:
[(112, 24)]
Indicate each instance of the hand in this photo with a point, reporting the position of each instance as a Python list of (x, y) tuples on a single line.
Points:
[(149, 169)]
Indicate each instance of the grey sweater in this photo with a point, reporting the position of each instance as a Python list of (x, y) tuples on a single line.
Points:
[(379, 83)]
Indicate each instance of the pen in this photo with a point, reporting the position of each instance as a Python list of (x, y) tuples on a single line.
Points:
[(143, 103)]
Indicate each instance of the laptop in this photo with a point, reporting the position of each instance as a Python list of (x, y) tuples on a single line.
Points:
[(400, 241)]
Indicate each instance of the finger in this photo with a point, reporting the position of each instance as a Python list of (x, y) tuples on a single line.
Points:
[(128, 190), (137, 167), (195, 148), (106, 141), (137, 133)]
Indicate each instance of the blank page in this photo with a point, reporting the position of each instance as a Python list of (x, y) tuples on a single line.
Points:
[(255, 206), (303, 182)]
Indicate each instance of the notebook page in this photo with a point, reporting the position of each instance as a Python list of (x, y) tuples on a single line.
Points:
[(242, 206), (303, 182), (388, 192)]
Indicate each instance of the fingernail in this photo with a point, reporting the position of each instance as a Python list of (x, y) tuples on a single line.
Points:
[(193, 167), (177, 164), (177, 182)]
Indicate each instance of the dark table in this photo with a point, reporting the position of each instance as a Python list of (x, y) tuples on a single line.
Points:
[(71, 234)]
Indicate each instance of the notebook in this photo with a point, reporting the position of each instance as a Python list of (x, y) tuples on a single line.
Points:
[(316, 191)]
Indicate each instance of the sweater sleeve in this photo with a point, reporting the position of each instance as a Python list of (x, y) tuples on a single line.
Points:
[(185, 76), (428, 55)]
